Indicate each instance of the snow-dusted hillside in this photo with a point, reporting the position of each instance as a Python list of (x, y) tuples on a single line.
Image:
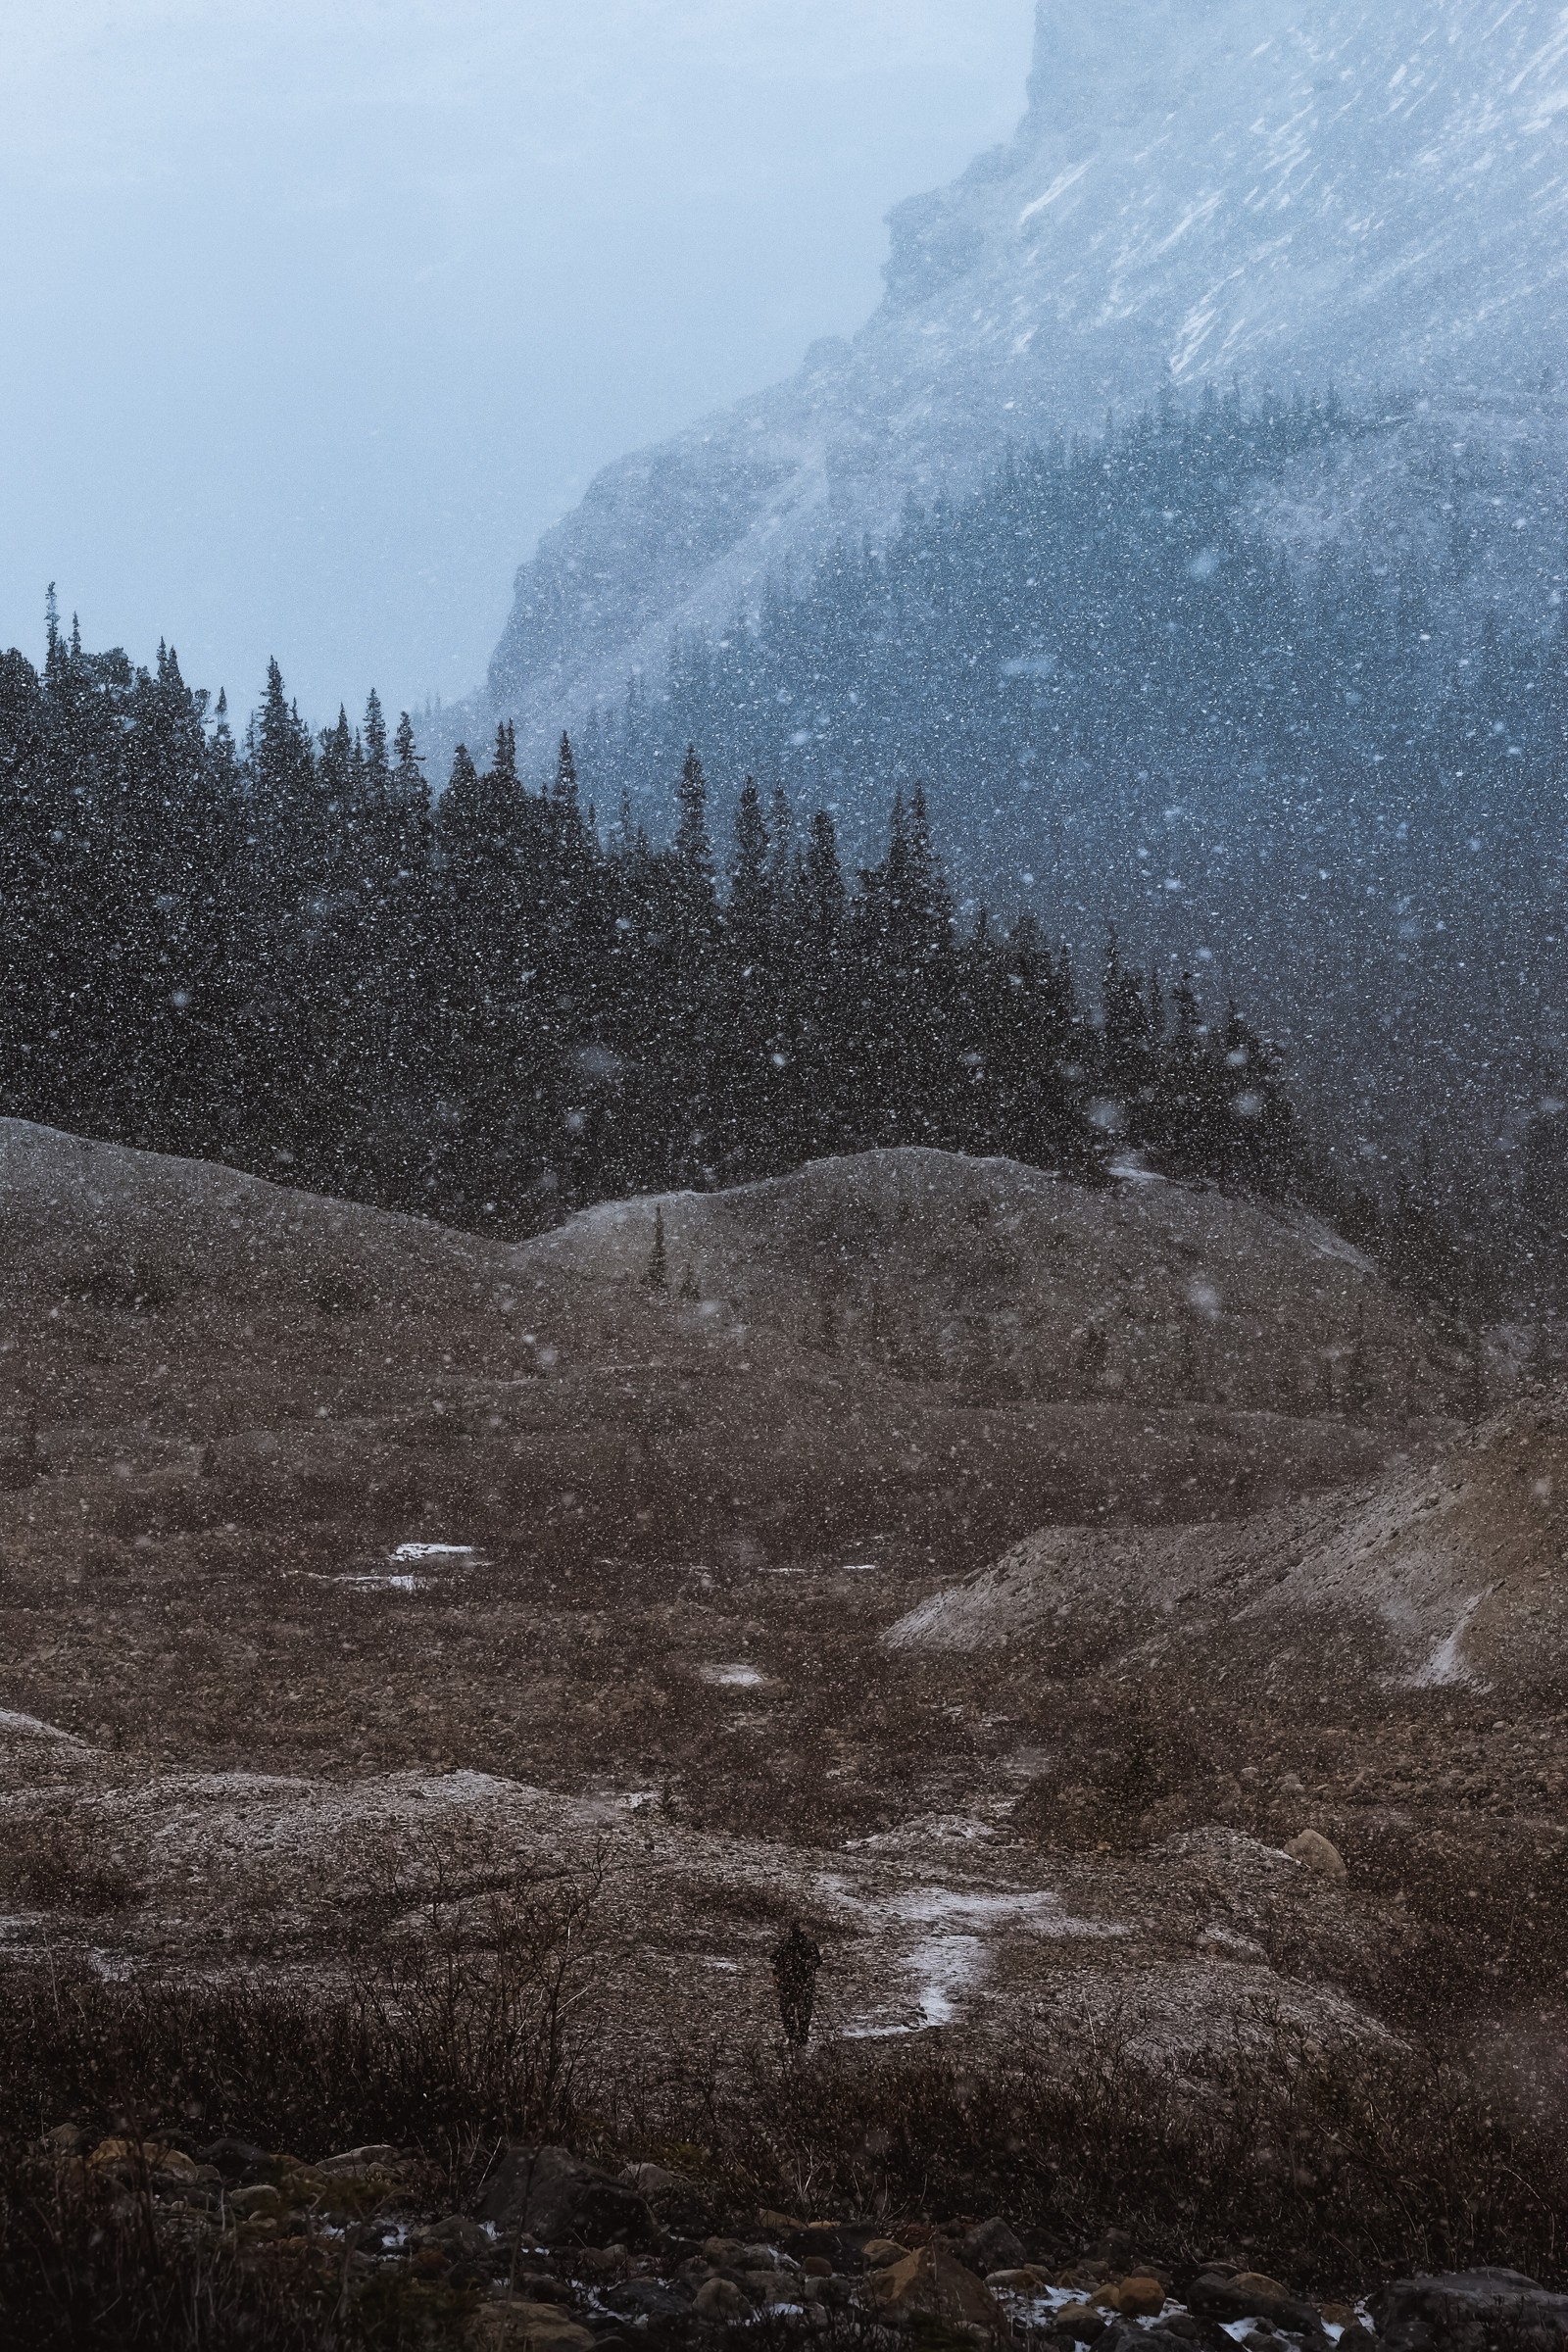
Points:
[(1288, 193)]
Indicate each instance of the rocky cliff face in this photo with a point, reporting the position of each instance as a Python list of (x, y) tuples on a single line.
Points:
[(1281, 192)]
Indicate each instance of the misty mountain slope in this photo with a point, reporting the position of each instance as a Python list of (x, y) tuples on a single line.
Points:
[(1448, 1574), (1282, 192)]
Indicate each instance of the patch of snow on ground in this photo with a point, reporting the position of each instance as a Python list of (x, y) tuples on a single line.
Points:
[(383, 1584), (1446, 1665), (436, 1552), (733, 1677)]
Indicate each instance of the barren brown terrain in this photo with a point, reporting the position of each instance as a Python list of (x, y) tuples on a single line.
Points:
[(328, 1524), (1087, 1610)]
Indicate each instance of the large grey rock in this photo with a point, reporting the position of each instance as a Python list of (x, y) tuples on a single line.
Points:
[(1470, 2311), (1251, 2296), (990, 2246), (557, 2200)]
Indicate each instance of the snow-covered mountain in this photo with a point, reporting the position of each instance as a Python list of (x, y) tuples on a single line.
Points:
[(1368, 193)]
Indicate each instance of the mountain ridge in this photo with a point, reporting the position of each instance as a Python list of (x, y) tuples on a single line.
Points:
[(1280, 193)]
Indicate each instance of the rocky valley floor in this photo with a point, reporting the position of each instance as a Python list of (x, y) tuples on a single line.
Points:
[(1092, 1613)]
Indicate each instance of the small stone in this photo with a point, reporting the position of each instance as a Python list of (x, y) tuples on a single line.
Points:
[(647, 2302), (1025, 2281), (235, 2158), (816, 2266), (721, 2300), (880, 2253), (537, 2287), (827, 2294), (769, 2289), (354, 2163), (262, 2198), (721, 2252), (1316, 1853), (764, 2258), (1079, 2324), (1258, 2284), (602, 2262), (457, 2236), (69, 2139)]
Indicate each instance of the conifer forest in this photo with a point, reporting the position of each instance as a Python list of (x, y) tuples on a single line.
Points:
[(486, 1005)]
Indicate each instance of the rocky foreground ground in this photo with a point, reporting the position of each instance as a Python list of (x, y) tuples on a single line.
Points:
[(561, 2255), (1088, 1611)]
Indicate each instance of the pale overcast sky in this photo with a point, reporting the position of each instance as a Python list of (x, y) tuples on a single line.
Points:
[(313, 312)]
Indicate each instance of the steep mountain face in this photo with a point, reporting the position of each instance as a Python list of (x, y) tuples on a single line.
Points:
[(1284, 193)]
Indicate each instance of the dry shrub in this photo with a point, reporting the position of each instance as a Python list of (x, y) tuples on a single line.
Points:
[(1134, 1763), (74, 2276), (466, 2020), (1484, 1920), (71, 1861), (1334, 2173)]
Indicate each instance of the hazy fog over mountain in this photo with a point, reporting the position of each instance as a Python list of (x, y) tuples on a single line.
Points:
[(1284, 193), (312, 317)]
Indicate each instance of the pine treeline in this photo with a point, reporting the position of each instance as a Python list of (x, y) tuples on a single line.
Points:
[(1166, 674), (286, 953)]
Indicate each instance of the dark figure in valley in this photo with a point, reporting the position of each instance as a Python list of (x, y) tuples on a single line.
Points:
[(796, 1961)]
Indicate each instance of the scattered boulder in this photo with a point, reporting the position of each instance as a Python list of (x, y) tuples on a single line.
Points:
[(1471, 2311), (934, 2283), (719, 2301), (645, 2302), (1140, 2297), (676, 2200), (1251, 2295), (990, 2246), (513, 2327), (557, 2200), (1318, 1854), (879, 2253), (458, 2238), (604, 2262), (764, 2258), (1184, 2328), (260, 2198)]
